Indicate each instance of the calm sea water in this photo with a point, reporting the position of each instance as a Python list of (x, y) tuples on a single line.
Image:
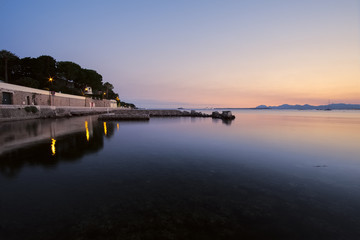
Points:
[(265, 175)]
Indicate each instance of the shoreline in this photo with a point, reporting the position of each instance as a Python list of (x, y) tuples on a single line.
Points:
[(21, 112), (28, 112), (144, 115)]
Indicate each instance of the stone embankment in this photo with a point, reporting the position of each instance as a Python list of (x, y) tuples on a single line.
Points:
[(147, 114), (19, 112)]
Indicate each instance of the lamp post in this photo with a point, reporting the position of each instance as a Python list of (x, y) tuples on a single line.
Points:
[(51, 80), (50, 92)]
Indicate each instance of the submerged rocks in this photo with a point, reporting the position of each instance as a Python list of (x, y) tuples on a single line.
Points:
[(226, 115), (193, 113), (216, 115)]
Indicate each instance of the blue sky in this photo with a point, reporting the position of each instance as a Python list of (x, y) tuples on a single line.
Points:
[(199, 53)]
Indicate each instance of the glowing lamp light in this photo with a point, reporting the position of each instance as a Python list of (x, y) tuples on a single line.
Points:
[(51, 79)]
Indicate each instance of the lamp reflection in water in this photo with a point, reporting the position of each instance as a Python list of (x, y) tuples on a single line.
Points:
[(117, 125), (53, 136), (105, 129), (53, 150), (87, 130)]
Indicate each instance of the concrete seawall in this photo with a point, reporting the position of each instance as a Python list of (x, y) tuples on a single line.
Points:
[(147, 114), (155, 113), (20, 112), (19, 95)]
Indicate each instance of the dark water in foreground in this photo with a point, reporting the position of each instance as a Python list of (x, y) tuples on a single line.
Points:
[(267, 175)]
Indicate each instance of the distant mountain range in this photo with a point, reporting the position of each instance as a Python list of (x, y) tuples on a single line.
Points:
[(333, 106)]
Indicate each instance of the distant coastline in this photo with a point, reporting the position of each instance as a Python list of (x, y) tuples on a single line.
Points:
[(333, 106)]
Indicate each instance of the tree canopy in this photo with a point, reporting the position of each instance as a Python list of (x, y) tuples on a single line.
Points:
[(8, 62), (69, 70), (44, 72)]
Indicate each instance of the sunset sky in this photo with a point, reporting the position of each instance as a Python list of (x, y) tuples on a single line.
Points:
[(199, 53)]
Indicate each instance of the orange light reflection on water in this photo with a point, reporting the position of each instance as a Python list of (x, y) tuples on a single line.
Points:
[(87, 130), (105, 128), (53, 149)]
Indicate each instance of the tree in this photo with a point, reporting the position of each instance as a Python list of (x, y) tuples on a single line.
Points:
[(127, 105), (7, 57), (44, 67), (27, 67), (36, 73), (108, 90), (68, 70), (91, 78), (28, 82)]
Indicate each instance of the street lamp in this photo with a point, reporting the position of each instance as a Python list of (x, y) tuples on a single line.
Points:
[(50, 90), (51, 81)]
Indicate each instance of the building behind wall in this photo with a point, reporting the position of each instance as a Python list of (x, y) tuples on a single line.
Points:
[(11, 94)]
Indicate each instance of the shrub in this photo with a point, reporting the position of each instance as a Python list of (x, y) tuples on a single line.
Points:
[(31, 109)]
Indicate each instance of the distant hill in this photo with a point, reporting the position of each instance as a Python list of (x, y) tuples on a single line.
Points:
[(334, 106)]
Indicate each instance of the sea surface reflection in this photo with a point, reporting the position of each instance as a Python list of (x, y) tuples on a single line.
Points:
[(267, 174), (47, 142)]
